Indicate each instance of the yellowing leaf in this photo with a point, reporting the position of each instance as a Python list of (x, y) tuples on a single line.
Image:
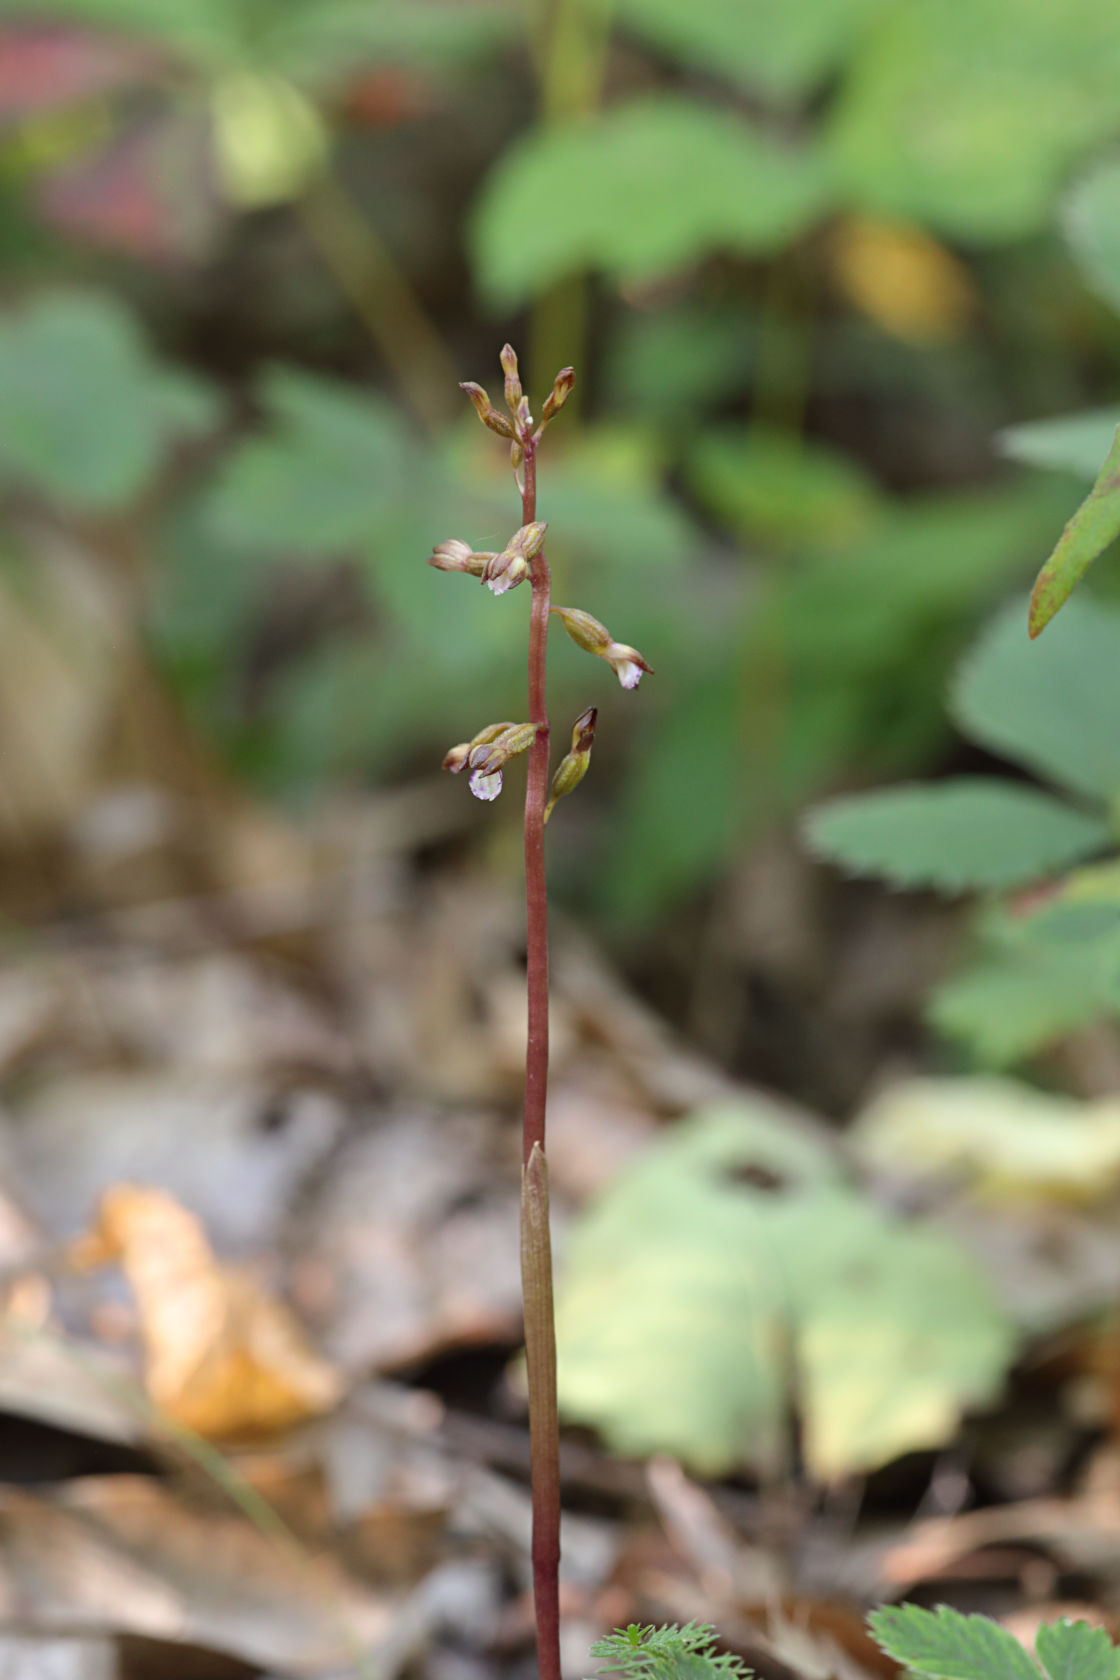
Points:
[(269, 139), (908, 283), (732, 1273), (1003, 1139), (221, 1357)]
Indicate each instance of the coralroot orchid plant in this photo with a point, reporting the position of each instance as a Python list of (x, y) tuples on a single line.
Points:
[(485, 757)]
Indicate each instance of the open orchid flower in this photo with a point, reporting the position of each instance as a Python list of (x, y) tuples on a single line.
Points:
[(625, 661)]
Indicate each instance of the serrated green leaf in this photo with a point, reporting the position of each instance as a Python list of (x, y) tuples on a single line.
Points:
[(86, 411), (785, 50), (1076, 1651), (1051, 705), (1091, 217), (955, 836), (640, 191), (688, 1296), (1093, 527), (942, 1644), (1022, 998), (1075, 443)]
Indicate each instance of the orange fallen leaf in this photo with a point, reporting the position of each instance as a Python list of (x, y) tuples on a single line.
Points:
[(221, 1357), (903, 279)]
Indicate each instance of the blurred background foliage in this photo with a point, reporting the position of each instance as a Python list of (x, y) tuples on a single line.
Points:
[(810, 260)]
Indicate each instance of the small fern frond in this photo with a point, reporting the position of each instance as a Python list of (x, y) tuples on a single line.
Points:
[(666, 1653)]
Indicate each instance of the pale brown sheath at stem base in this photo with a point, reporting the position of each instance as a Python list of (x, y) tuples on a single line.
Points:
[(544, 1425)]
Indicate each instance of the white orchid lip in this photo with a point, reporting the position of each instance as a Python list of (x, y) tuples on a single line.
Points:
[(486, 784), (626, 663)]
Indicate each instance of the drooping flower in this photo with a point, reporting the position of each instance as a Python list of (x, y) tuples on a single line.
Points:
[(625, 661)]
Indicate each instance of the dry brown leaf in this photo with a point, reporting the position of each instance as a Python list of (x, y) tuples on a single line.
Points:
[(410, 1246), (221, 1357), (125, 1554)]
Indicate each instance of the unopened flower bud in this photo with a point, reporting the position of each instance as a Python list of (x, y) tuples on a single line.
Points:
[(573, 767), (558, 396), (516, 455), (587, 633), (487, 413), (529, 540), (456, 759), (456, 556), (508, 359)]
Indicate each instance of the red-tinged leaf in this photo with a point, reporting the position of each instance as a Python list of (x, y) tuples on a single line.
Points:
[(149, 193), (387, 97), (45, 68), (1095, 524)]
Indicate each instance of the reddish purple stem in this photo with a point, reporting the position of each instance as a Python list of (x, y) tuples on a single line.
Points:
[(544, 1436)]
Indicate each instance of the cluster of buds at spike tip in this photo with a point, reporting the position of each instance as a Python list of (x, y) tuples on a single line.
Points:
[(488, 753), (518, 425), (626, 662), (572, 768), (516, 400)]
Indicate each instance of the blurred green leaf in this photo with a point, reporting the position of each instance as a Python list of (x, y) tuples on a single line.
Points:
[(683, 801), (966, 116), (321, 40), (211, 31), (783, 50), (1093, 527), (322, 477), (1075, 443), (1092, 225), (689, 1297), (665, 363), (642, 190), (1022, 995), (86, 411), (1051, 705), (780, 489), (956, 836)]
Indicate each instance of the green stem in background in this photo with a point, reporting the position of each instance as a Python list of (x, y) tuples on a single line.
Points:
[(571, 57), (536, 1255), (382, 298)]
